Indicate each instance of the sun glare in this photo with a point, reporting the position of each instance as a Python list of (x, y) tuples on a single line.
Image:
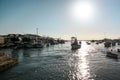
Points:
[(81, 10)]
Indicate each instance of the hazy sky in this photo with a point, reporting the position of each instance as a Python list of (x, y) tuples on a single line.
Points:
[(85, 19)]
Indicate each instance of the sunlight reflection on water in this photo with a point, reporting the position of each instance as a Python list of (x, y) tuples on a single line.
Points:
[(82, 68)]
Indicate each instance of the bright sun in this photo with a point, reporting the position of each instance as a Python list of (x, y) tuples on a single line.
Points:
[(81, 10)]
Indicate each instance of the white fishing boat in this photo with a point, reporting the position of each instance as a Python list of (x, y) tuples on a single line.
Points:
[(39, 44), (74, 43), (112, 54)]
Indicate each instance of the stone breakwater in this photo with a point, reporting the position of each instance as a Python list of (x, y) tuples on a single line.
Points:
[(6, 61)]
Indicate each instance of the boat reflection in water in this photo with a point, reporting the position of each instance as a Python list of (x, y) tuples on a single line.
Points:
[(81, 66)]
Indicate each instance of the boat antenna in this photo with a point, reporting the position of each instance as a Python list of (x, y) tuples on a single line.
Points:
[(104, 35), (37, 31)]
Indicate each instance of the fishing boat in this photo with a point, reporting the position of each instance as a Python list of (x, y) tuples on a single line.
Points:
[(39, 44), (107, 44), (118, 42), (74, 43), (88, 43), (118, 50), (113, 43), (97, 43), (112, 55)]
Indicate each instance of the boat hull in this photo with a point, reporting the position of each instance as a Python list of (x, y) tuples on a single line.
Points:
[(74, 47), (112, 55)]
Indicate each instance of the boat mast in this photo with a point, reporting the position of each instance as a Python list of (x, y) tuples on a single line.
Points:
[(104, 35), (36, 33)]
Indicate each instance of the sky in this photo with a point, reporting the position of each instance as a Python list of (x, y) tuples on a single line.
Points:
[(84, 19)]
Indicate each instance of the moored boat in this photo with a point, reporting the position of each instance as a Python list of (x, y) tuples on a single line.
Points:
[(118, 50), (74, 43), (112, 55), (88, 43), (107, 44)]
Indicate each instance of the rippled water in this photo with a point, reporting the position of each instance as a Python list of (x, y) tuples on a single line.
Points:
[(59, 62)]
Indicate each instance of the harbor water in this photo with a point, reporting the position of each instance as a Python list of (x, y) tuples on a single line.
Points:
[(59, 62)]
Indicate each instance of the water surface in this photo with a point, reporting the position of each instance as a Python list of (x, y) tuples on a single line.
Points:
[(59, 62)]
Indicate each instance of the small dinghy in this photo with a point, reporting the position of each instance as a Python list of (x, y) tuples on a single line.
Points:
[(112, 55)]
